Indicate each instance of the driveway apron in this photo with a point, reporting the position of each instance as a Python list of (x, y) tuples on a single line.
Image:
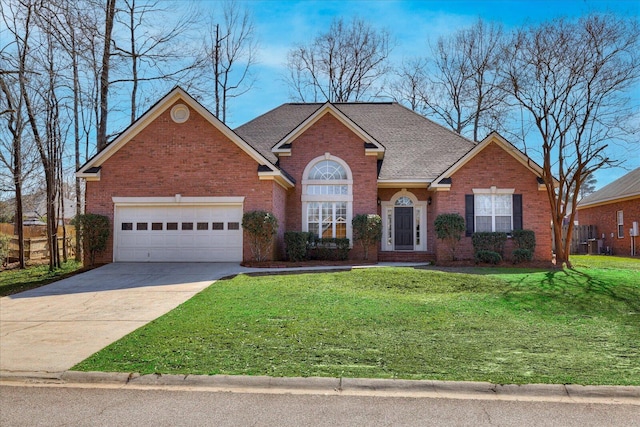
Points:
[(54, 327)]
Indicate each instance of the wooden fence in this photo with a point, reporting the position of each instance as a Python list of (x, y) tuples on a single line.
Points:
[(35, 242), (584, 239)]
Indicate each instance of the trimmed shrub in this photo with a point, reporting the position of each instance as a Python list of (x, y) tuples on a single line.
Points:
[(524, 239), (297, 245), (522, 255), (449, 228), (489, 257), (261, 226), (329, 249), (367, 229), (94, 231), (4, 248), (489, 241)]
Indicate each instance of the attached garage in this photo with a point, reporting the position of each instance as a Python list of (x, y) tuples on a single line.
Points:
[(178, 229)]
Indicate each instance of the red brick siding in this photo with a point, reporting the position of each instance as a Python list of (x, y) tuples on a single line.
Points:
[(329, 135), (193, 159), (493, 166), (605, 219)]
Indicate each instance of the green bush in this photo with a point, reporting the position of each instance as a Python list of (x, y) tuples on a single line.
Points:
[(489, 257), (261, 226), (367, 229), (94, 231), (488, 241), (521, 255), (329, 249), (524, 239), (297, 245), (4, 248), (449, 228)]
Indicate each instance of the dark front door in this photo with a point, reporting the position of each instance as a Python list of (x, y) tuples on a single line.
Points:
[(403, 228)]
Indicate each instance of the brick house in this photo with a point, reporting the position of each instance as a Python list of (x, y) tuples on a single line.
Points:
[(613, 210), (176, 182)]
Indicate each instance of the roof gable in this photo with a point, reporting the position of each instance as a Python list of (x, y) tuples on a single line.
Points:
[(443, 181), (284, 145), (416, 149), (91, 169), (626, 187)]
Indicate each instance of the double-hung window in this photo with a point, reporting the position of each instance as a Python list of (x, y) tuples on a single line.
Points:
[(327, 198), (620, 222), (493, 210)]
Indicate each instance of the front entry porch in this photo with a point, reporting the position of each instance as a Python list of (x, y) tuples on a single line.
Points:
[(404, 220)]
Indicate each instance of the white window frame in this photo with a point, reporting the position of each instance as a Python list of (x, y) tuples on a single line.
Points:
[(388, 219), (493, 191), (327, 198), (620, 224)]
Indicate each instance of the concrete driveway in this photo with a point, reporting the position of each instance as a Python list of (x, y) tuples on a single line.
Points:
[(52, 328)]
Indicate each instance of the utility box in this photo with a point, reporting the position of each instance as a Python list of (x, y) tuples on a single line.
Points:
[(592, 245)]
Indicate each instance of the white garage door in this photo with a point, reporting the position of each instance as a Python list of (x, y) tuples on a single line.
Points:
[(207, 233)]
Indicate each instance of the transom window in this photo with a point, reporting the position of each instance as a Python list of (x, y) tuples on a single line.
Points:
[(494, 212), (327, 170), (327, 198), (404, 201)]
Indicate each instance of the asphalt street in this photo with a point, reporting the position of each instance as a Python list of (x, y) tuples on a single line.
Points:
[(56, 405)]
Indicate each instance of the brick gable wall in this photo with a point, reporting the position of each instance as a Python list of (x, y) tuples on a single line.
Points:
[(493, 166), (193, 159), (605, 219), (329, 135)]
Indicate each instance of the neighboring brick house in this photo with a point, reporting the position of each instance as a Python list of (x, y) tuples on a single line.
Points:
[(176, 182), (613, 210)]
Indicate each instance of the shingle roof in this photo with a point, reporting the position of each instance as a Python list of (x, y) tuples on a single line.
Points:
[(627, 186), (416, 148)]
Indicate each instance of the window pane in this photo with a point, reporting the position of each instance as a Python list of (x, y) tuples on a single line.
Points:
[(187, 226), (404, 201), (172, 226), (389, 225), (156, 226), (313, 229), (141, 226), (327, 213), (127, 226), (341, 230), (483, 223), (313, 212), (418, 214), (202, 226), (217, 226), (233, 226), (503, 204), (327, 170), (503, 223), (483, 205)]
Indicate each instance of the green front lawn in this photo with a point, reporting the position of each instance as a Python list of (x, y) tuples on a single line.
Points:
[(14, 281), (497, 325)]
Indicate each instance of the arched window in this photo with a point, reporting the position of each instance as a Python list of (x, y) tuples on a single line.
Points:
[(404, 201), (327, 198)]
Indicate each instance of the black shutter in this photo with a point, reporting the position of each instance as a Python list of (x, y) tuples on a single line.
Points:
[(468, 213), (517, 211)]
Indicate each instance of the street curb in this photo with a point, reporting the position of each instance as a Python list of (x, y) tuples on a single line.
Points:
[(620, 394)]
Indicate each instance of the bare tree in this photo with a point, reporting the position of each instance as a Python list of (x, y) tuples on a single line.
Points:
[(110, 13), (340, 65), (464, 86), (230, 50), (572, 79), (153, 50), (410, 84), (12, 159)]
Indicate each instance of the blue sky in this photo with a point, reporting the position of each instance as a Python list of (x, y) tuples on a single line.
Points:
[(282, 24)]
